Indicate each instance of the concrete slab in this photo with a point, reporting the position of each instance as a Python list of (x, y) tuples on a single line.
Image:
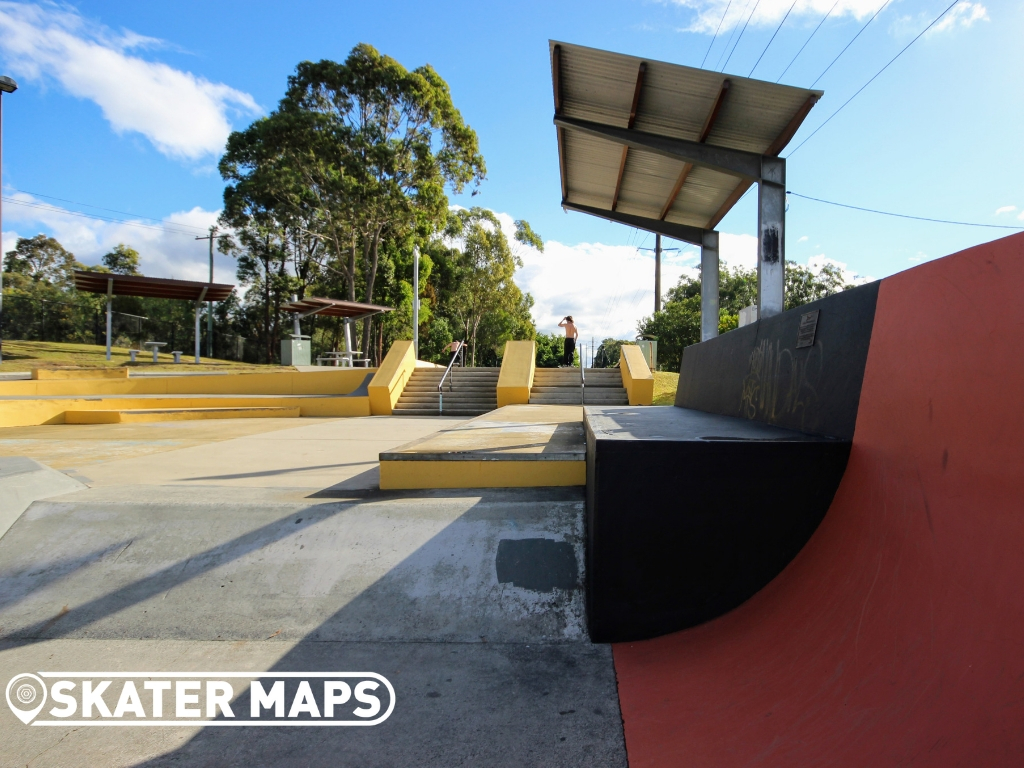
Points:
[(487, 671), (514, 446), (24, 480)]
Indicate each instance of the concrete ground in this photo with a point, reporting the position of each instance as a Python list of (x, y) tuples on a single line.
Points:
[(211, 546)]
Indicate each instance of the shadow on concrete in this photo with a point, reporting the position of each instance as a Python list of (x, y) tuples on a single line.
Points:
[(20, 584), (484, 673), (275, 472)]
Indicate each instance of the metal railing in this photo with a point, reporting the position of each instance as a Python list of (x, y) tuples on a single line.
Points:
[(583, 383), (448, 375)]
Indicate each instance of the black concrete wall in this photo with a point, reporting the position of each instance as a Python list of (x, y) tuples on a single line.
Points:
[(757, 372)]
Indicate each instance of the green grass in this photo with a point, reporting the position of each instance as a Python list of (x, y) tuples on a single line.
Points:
[(665, 384), (26, 355)]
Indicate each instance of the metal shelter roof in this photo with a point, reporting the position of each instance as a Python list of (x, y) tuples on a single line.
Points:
[(150, 287), (333, 308), (640, 141)]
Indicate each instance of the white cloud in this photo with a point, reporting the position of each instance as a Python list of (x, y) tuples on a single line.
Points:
[(711, 13), (802, 239), (963, 15), (183, 115), (166, 249), (1005, 209), (815, 263), (1021, 215)]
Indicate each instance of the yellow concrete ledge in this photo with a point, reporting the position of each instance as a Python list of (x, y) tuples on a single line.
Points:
[(517, 369), (177, 414), (63, 374), (340, 381), (391, 378), (32, 412), (636, 375), (402, 475)]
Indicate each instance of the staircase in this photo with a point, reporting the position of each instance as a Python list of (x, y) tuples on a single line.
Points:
[(561, 386), (473, 392)]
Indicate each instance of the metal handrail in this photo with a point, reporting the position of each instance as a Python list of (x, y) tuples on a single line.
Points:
[(447, 371), (583, 383)]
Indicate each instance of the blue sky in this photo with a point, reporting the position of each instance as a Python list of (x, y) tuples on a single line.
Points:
[(125, 106)]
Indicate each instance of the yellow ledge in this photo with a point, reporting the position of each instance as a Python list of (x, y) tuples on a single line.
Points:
[(404, 475), (517, 368), (636, 375), (392, 376)]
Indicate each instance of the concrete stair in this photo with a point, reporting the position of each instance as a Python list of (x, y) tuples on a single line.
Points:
[(561, 386), (474, 391)]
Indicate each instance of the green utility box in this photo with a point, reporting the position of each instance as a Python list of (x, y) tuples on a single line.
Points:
[(649, 348), (295, 351)]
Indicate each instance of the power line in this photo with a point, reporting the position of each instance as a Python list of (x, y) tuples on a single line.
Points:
[(808, 40), (101, 208), (773, 38), (934, 22), (54, 209), (850, 43), (727, 7), (903, 215), (732, 34), (741, 34)]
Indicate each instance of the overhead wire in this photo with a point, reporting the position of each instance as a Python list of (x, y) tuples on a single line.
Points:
[(101, 208), (741, 34), (903, 215), (63, 211), (772, 38), (873, 77), (732, 34), (808, 40), (880, 9), (727, 7)]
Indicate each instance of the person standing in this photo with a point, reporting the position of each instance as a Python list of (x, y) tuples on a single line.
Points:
[(571, 334)]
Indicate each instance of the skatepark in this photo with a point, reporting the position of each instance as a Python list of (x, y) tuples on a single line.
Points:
[(838, 585)]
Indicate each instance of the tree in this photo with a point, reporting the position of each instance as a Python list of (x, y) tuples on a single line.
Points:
[(123, 260), (41, 259)]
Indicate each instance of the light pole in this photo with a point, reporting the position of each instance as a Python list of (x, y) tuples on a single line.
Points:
[(7, 85)]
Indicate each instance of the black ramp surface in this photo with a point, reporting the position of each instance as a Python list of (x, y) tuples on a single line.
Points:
[(758, 372), (691, 513)]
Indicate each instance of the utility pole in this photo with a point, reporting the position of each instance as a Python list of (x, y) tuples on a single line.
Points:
[(658, 250), (209, 305), (6, 86)]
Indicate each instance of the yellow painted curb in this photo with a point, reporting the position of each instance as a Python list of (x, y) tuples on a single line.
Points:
[(401, 475), (177, 414)]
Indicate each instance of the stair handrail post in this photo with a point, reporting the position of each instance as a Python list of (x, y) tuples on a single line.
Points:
[(446, 374), (583, 383)]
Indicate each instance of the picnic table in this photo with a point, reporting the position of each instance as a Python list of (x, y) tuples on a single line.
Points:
[(156, 348), (344, 359)]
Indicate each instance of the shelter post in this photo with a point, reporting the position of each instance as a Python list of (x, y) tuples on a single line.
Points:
[(657, 272), (199, 306), (296, 326), (110, 301), (771, 243), (709, 285)]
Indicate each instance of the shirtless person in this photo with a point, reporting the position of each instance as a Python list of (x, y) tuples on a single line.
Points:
[(571, 334)]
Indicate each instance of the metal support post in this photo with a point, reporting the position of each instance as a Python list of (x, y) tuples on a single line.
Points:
[(657, 273), (709, 286), (199, 306), (110, 300), (416, 301), (296, 326), (771, 243), (348, 339)]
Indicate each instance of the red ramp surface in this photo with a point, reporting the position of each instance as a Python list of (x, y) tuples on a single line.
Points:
[(896, 637)]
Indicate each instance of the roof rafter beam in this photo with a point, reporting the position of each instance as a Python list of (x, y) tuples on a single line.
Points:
[(683, 232), (746, 165), (556, 76), (629, 124), (709, 123), (773, 151)]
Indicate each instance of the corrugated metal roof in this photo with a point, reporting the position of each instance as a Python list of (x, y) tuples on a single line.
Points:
[(333, 307), (675, 102), (150, 287)]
